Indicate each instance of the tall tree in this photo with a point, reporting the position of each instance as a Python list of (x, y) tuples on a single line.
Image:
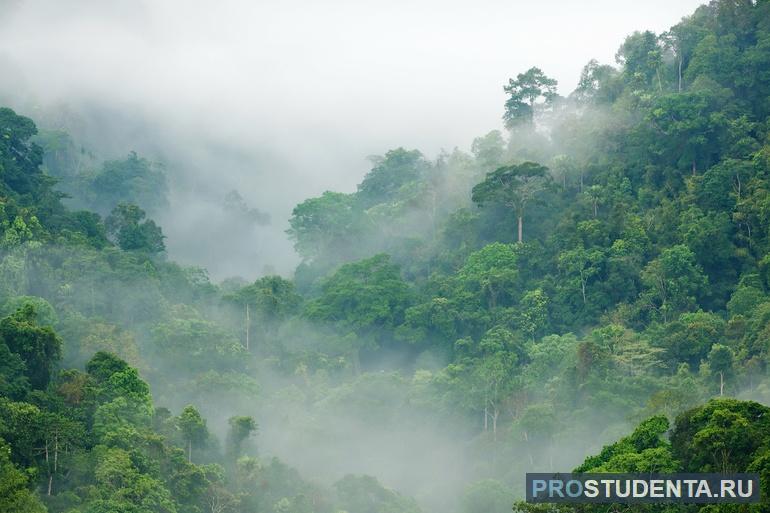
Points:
[(39, 347), (132, 232), (193, 427), (524, 93), (515, 187)]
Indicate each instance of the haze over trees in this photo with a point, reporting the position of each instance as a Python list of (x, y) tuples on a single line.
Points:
[(454, 322)]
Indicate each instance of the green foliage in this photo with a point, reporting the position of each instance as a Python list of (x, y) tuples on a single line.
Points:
[(391, 172), (524, 92), (241, 428), (20, 159), (15, 496), (39, 347), (724, 435), (194, 342), (318, 225), (514, 186), (126, 224), (193, 428), (367, 296), (645, 450), (133, 180), (672, 282)]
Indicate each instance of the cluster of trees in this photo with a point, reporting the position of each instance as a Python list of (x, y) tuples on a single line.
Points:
[(608, 257), (721, 436)]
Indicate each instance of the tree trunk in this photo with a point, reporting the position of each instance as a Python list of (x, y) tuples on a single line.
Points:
[(521, 228), (55, 463), (48, 465), (680, 72), (721, 383), (189, 451)]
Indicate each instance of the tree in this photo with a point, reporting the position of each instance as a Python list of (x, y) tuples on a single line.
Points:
[(689, 338), (489, 150), (721, 363), (368, 296), (391, 172), (268, 301), (672, 282), (682, 39), (515, 187), (532, 315), (193, 343), (539, 423), (492, 375), (723, 435), (241, 428), (15, 495), (20, 159), (326, 226), (524, 93), (641, 58), (491, 273), (127, 227), (693, 129), (581, 265), (60, 436), (39, 347), (133, 180), (193, 428), (595, 83), (644, 450)]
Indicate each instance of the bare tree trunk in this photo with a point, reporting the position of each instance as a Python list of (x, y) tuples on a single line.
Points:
[(189, 451), (721, 383), (680, 72), (486, 419), (521, 228), (48, 465), (55, 462)]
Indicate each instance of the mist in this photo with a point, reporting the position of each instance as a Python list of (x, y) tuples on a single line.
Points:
[(282, 101)]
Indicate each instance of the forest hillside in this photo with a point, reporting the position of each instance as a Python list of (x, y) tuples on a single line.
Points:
[(586, 289)]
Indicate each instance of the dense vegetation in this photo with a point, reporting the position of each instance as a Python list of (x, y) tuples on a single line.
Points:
[(604, 262)]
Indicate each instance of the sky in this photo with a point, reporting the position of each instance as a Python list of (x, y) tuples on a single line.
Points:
[(283, 100)]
